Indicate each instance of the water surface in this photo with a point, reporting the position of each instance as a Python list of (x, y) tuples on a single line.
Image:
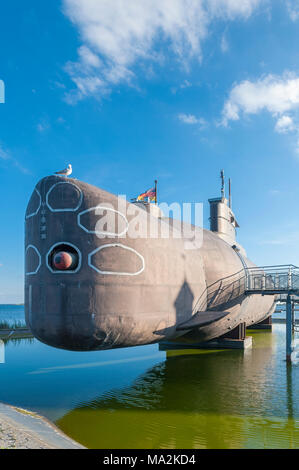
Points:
[(143, 398)]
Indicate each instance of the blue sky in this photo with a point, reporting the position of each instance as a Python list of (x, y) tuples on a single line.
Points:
[(129, 91)]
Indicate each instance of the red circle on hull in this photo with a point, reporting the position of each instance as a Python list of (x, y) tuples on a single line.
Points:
[(63, 261)]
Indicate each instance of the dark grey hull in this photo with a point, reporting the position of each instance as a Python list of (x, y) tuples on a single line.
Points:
[(124, 292)]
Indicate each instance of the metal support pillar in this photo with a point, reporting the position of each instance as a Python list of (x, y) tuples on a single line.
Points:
[(237, 333), (263, 325), (289, 327)]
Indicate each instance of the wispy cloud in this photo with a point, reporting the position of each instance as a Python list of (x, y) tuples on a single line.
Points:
[(182, 86), (293, 9), (224, 44), (275, 192), (43, 127), (186, 84), (117, 35), (192, 120), (5, 155), (289, 239), (188, 118), (278, 95)]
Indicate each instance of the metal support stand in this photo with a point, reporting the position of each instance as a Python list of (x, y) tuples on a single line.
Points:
[(263, 325), (235, 339), (289, 328)]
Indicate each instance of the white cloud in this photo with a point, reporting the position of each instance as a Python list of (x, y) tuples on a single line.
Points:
[(285, 124), (191, 119), (120, 33), (88, 58), (188, 118), (271, 93), (293, 9), (232, 8), (277, 95)]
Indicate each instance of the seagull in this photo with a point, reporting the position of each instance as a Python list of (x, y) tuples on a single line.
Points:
[(66, 172)]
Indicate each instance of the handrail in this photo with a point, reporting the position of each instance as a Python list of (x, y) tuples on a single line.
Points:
[(274, 266), (276, 278), (283, 278), (207, 293)]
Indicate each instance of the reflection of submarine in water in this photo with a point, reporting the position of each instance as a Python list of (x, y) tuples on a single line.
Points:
[(91, 288), (207, 399)]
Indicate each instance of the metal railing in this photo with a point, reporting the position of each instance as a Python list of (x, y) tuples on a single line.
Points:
[(221, 291), (282, 279), (273, 280)]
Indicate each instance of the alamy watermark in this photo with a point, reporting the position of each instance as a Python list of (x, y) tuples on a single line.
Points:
[(146, 221), (2, 352), (2, 92)]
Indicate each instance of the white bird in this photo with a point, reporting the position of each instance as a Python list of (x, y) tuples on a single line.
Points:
[(66, 172)]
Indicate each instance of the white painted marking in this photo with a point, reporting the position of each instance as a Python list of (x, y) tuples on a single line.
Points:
[(64, 272), (30, 302), (39, 258), (63, 210), (112, 273), (111, 234), (40, 203)]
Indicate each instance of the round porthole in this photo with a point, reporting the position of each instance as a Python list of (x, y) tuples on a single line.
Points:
[(64, 257)]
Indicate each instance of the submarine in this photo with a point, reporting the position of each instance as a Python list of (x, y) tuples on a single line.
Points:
[(90, 285)]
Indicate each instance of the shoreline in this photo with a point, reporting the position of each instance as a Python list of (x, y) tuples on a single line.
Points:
[(23, 429)]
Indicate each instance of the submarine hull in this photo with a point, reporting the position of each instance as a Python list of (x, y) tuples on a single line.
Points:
[(121, 290)]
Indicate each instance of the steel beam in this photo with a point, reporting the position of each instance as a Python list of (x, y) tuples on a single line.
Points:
[(289, 327)]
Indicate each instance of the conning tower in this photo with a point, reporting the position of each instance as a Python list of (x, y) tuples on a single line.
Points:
[(222, 219)]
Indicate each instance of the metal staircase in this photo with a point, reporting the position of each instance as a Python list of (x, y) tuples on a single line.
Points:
[(281, 281)]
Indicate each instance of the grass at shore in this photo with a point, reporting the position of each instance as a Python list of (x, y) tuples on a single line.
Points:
[(4, 325)]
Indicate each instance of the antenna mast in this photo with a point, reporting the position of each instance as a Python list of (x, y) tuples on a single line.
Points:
[(230, 192), (222, 184)]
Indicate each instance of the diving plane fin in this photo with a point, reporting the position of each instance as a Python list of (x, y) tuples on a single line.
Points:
[(201, 319)]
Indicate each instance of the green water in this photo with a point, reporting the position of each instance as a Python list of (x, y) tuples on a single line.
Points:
[(143, 398), (208, 399)]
